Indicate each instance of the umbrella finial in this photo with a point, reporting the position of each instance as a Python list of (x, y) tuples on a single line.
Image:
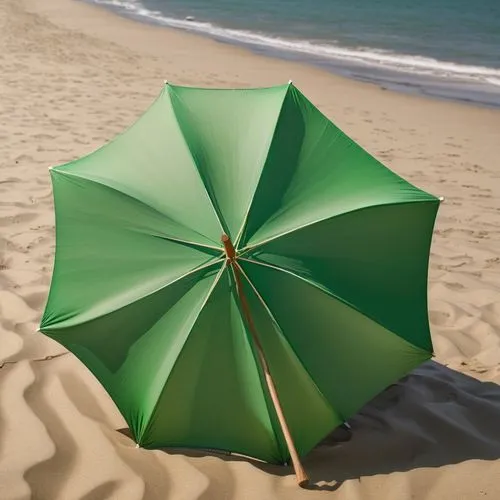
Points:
[(228, 247)]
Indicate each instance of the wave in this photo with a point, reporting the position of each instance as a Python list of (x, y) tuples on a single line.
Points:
[(366, 56)]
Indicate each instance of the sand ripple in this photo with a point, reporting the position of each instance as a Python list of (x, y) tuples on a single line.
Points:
[(433, 435)]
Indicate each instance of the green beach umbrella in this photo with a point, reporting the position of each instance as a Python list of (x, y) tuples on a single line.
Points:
[(238, 273)]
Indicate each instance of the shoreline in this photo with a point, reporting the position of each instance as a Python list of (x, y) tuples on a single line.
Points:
[(99, 14), (454, 89)]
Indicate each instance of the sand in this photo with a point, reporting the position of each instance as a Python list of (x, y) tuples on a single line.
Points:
[(71, 77)]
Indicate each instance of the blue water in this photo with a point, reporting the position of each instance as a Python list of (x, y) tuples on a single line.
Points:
[(445, 48)]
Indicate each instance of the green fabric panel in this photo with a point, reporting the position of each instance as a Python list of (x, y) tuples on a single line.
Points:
[(375, 259), (151, 162), (314, 171), (349, 357), (214, 397), (111, 251), (131, 350), (229, 134), (308, 414)]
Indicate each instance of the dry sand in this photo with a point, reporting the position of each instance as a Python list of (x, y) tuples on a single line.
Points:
[(71, 77)]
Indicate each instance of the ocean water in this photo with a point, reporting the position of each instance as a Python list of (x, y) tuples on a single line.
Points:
[(444, 48)]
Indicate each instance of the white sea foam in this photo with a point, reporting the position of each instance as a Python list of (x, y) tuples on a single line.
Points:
[(360, 55)]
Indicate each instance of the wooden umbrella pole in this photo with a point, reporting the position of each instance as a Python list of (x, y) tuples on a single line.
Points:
[(300, 473)]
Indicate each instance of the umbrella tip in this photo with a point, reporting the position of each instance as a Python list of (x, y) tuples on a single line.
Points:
[(228, 246), (290, 82), (441, 198)]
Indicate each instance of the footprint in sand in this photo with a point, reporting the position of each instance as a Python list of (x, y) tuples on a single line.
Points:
[(17, 219), (26, 158), (439, 318), (36, 300)]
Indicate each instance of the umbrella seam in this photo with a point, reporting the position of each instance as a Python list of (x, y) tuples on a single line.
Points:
[(323, 289), (107, 186), (209, 293), (239, 235), (275, 322), (324, 219), (201, 267), (351, 140), (217, 212)]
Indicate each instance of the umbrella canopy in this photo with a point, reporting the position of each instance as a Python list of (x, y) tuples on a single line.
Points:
[(331, 253)]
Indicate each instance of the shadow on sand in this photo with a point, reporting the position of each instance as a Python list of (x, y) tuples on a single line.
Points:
[(433, 417)]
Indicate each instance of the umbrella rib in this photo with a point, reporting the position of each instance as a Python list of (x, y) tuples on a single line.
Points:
[(191, 243), (170, 238), (217, 213), (247, 212), (210, 263), (327, 292), (259, 244), (209, 293), (275, 322)]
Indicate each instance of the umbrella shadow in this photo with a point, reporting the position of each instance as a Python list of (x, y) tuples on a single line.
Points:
[(433, 417)]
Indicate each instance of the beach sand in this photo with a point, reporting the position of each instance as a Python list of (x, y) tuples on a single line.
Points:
[(71, 77)]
